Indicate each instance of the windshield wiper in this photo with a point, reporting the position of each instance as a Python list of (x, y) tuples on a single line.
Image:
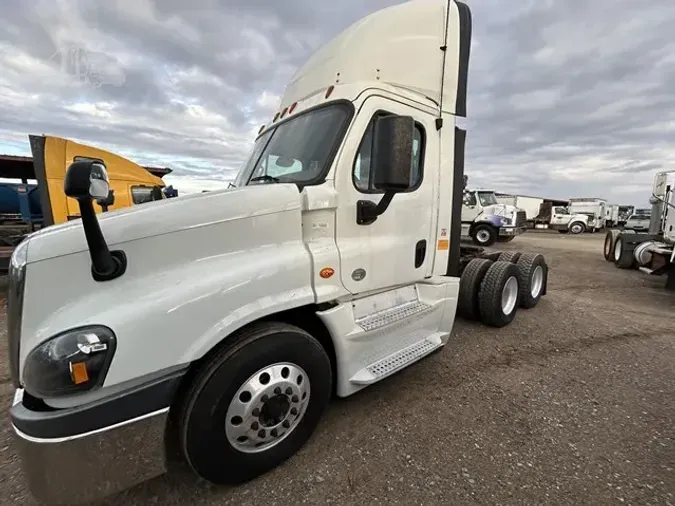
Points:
[(265, 178)]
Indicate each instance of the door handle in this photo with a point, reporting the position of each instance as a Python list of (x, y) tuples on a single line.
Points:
[(420, 252)]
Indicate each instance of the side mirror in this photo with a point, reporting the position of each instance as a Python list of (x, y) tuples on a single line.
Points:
[(391, 163), (85, 181), (393, 153)]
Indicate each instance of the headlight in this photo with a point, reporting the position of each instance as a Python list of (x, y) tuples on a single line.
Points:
[(74, 361), (16, 282)]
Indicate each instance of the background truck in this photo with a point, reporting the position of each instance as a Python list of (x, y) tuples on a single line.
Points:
[(530, 205), (652, 252), (625, 212), (639, 221), (611, 215), (594, 208), (269, 297), (561, 219), (26, 207), (486, 221)]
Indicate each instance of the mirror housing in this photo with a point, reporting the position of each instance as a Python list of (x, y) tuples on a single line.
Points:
[(85, 181), (393, 153), (391, 163)]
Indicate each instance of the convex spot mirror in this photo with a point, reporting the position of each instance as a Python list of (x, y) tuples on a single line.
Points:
[(393, 153), (87, 180)]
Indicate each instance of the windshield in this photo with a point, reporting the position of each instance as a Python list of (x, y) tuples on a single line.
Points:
[(487, 198), (298, 150)]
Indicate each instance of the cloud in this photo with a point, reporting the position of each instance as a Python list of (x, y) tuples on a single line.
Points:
[(565, 98)]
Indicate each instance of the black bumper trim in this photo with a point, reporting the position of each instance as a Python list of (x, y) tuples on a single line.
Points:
[(127, 405)]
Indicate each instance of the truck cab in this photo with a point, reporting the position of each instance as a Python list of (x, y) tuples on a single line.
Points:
[(332, 263), (486, 221), (594, 208)]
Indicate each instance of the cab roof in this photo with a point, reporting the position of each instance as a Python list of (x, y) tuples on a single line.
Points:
[(406, 46)]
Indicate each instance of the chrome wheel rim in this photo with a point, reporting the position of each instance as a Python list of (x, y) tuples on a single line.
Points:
[(617, 249), (608, 245), (537, 281), (509, 295), (267, 407), (483, 236)]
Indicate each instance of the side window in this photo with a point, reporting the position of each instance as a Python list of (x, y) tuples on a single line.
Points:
[(362, 164), (469, 199), (141, 194)]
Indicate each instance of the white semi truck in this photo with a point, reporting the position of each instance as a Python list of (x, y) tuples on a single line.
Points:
[(268, 297), (652, 252), (486, 220)]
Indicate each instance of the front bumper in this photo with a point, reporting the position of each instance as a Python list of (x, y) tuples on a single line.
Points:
[(81, 454), (511, 231)]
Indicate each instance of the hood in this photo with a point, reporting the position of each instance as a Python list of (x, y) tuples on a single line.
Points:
[(501, 210), (166, 216)]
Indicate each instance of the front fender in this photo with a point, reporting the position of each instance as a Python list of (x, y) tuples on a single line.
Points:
[(167, 310)]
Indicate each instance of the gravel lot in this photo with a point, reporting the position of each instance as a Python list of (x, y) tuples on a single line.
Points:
[(573, 403)]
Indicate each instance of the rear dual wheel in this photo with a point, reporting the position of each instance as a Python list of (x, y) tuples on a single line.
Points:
[(608, 248)]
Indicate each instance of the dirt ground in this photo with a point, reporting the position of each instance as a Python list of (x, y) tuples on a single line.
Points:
[(573, 403)]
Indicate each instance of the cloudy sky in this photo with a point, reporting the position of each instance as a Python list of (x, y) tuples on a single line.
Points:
[(566, 98)]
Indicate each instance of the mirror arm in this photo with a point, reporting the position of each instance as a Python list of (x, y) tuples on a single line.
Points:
[(105, 265), (367, 211)]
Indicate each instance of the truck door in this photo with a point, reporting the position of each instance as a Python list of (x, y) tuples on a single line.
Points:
[(560, 216), (471, 207), (397, 248)]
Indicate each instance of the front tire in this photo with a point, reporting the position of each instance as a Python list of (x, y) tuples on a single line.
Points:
[(255, 403), (577, 228), (484, 235)]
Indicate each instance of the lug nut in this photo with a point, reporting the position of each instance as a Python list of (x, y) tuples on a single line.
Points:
[(254, 426), (294, 398), (256, 412), (265, 398), (273, 432), (289, 391), (261, 433), (286, 424), (277, 390), (294, 411)]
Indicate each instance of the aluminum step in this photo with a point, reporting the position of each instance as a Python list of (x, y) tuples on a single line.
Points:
[(646, 270), (391, 315), (397, 360)]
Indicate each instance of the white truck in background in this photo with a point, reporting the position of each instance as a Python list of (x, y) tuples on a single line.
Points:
[(559, 217), (487, 221), (625, 212), (531, 205), (653, 252), (611, 215), (271, 296), (639, 221), (594, 208)]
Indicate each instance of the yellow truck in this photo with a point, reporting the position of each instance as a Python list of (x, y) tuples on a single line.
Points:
[(25, 207)]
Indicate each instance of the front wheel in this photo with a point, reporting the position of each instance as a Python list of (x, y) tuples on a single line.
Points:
[(255, 403), (577, 227), (484, 235)]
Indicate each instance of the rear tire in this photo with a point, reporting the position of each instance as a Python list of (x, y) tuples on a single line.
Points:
[(484, 235), (608, 248), (228, 407), (509, 256), (498, 295), (532, 279), (623, 253), (469, 286)]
